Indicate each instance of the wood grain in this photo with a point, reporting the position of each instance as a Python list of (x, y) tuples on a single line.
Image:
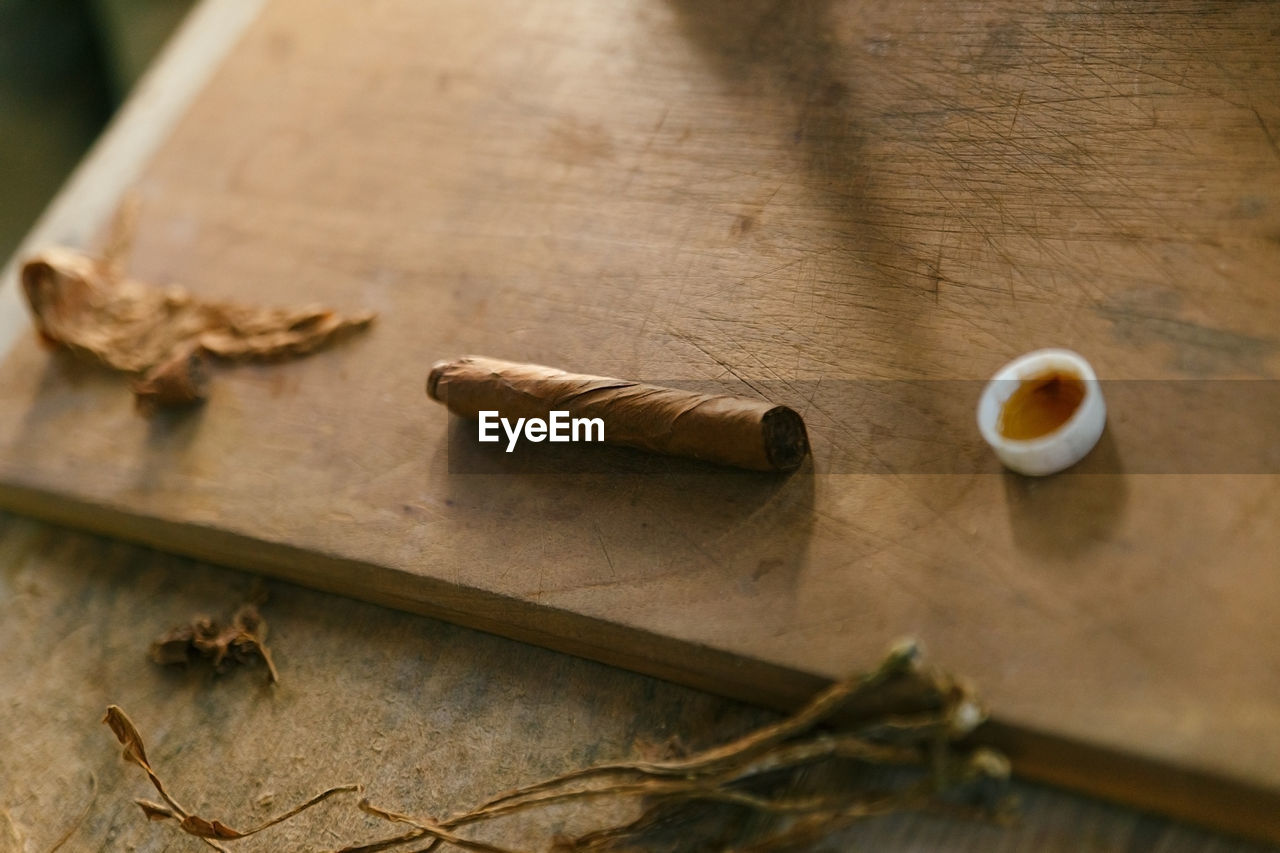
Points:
[(794, 197)]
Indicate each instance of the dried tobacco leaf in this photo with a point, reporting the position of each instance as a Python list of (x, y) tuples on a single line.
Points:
[(125, 731), (85, 305)]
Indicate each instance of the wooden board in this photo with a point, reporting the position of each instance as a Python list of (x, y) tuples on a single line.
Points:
[(795, 197)]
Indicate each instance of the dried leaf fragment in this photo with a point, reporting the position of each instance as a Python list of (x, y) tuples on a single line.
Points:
[(85, 305), (201, 828), (238, 642), (125, 731), (134, 751)]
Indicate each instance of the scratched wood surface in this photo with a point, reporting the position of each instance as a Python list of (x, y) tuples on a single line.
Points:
[(789, 197), (430, 717)]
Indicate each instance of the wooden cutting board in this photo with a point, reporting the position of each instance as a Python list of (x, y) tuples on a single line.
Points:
[(860, 211)]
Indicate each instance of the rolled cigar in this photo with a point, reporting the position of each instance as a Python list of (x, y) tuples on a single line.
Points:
[(720, 428)]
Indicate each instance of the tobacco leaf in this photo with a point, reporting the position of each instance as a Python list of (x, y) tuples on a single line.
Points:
[(85, 305)]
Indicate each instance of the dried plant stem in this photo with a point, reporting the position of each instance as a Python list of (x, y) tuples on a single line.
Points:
[(716, 775), (206, 830), (437, 831), (819, 709), (916, 717), (694, 786)]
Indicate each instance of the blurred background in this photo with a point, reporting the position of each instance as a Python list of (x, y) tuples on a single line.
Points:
[(65, 66)]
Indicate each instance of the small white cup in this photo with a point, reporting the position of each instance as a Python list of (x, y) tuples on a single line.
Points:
[(1064, 446)]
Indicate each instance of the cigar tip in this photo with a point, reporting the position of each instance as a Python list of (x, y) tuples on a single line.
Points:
[(785, 439), (433, 378)]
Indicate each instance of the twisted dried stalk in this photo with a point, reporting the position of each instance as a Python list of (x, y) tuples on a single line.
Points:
[(899, 715)]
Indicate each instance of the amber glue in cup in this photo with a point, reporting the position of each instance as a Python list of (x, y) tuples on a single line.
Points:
[(1042, 412)]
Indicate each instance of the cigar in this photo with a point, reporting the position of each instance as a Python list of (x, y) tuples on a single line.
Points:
[(720, 428)]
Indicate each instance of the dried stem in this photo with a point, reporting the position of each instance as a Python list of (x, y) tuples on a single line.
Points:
[(206, 830), (897, 715)]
